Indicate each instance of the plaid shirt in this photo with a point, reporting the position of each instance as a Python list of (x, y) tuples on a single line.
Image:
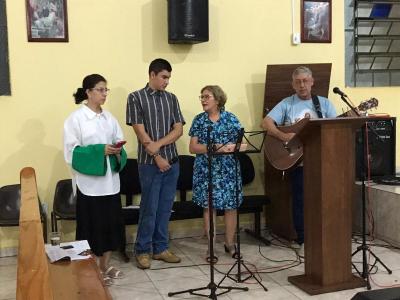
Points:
[(158, 111)]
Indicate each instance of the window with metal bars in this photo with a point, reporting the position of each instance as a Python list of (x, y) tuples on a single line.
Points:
[(372, 42)]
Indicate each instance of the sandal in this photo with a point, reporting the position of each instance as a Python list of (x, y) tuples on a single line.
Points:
[(107, 279), (114, 273), (231, 249)]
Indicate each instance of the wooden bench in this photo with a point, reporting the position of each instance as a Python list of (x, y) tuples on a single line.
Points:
[(37, 278)]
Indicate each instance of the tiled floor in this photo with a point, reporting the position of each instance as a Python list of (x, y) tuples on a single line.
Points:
[(193, 272)]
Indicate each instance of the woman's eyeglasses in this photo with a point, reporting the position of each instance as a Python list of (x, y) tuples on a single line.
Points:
[(204, 97), (101, 90)]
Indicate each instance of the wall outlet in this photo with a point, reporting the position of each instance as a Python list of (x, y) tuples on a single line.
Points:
[(296, 38)]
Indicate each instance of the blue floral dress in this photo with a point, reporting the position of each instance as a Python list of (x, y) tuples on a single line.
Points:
[(224, 179)]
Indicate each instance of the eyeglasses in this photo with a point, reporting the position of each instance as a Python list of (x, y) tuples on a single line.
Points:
[(204, 97), (300, 82), (101, 90)]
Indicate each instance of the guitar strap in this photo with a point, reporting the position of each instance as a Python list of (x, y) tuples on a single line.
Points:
[(317, 105)]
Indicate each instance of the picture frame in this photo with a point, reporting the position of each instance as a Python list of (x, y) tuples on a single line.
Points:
[(47, 20), (316, 21)]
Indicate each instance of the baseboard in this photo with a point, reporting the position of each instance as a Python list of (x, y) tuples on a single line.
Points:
[(4, 252)]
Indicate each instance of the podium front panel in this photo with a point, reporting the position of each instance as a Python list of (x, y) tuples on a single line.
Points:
[(329, 160)]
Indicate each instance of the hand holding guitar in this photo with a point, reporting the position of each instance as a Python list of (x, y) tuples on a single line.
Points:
[(288, 136)]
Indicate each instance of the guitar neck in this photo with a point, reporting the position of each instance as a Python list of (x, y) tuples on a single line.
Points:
[(364, 106), (349, 113)]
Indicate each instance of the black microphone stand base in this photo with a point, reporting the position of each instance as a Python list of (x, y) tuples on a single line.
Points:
[(237, 277), (212, 287), (366, 271)]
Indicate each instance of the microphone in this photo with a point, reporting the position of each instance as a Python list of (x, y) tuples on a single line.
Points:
[(209, 130), (336, 90), (209, 141)]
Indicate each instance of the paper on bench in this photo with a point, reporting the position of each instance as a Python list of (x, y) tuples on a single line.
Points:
[(56, 253)]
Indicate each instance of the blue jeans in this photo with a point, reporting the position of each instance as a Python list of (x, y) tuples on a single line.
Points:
[(158, 194), (297, 179)]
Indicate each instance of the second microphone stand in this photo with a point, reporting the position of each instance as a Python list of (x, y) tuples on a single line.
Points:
[(212, 286), (364, 248), (239, 259)]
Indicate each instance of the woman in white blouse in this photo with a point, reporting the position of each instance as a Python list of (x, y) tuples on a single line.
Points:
[(92, 139)]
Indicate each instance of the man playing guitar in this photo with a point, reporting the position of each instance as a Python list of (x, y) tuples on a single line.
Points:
[(290, 110)]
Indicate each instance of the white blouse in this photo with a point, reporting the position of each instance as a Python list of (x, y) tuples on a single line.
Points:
[(85, 127)]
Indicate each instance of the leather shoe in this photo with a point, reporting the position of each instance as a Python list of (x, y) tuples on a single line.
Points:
[(167, 256), (143, 261)]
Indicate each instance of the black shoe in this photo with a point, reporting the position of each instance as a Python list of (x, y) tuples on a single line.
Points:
[(231, 249)]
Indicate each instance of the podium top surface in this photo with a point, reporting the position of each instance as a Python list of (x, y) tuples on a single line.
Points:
[(347, 120), (353, 121), (308, 125)]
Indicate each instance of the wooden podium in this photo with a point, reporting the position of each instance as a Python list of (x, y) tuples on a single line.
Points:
[(329, 166)]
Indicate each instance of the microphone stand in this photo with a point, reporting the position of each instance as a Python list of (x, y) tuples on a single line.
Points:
[(212, 286), (364, 247), (239, 259), (345, 100)]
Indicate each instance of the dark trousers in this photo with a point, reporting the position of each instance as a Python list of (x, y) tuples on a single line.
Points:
[(298, 202)]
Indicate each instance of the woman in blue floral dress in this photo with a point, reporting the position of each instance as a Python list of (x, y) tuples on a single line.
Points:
[(223, 128)]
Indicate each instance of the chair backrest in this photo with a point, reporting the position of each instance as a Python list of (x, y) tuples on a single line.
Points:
[(185, 179), (129, 180), (64, 204), (10, 203), (246, 168)]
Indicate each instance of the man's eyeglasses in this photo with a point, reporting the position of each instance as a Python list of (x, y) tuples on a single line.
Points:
[(101, 90), (204, 97), (300, 82)]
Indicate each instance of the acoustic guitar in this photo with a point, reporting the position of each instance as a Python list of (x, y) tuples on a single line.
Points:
[(287, 155)]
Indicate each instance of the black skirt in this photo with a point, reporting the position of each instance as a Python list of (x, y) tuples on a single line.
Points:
[(99, 220)]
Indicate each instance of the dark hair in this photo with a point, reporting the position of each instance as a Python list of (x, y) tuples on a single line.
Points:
[(218, 93), (88, 83), (158, 65)]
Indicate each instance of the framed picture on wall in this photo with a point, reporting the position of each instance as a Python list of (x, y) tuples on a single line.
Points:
[(316, 21), (47, 20)]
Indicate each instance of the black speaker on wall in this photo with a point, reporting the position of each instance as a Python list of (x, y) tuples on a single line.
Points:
[(187, 21), (383, 294), (382, 148)]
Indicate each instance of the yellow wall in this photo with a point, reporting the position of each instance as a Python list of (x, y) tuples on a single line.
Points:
[(118, 39)]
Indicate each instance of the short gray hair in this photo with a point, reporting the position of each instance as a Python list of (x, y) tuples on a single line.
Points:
[(218, 93), (302, 70)]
